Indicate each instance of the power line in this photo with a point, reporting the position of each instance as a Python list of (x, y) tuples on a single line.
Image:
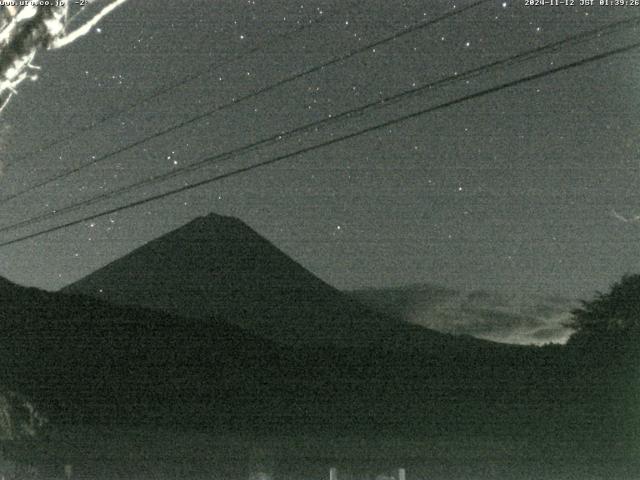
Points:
[(305, 150), (551, 47), (218, 158), (81, 130), (244, 98)]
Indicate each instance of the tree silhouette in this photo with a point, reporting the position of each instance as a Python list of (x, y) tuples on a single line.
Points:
[(605, 354), (611, 321)]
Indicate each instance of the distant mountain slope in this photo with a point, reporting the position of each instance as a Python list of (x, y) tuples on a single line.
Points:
[(83, 358), (87, 362), (218, 267), (521, 319)]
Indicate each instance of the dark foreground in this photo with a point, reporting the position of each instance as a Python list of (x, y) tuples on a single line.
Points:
[(146, 453)]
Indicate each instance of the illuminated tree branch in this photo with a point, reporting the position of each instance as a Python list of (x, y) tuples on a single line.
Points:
[(87, 26), (26, 30)]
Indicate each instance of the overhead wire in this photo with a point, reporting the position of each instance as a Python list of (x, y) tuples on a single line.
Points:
[(276, 138), (239, 100), (81, 130), (280, 158)]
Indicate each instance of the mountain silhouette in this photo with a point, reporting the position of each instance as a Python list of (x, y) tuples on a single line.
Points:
[(339, 360), (86, 360), (218, 267)]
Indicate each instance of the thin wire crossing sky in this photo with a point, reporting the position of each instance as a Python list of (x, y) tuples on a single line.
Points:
[(529, 189)]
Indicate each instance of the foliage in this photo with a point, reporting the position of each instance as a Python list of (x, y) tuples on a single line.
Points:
[(27, 29), (611, 319), (21, 428)]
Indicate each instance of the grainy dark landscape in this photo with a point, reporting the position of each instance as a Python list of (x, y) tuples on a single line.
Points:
[(272, 240)]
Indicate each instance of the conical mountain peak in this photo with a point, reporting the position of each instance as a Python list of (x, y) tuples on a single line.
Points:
[(218, 267)]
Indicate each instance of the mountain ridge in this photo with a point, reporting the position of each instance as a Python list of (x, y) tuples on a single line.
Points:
[(218, 267), (93, 363), (85, 360)]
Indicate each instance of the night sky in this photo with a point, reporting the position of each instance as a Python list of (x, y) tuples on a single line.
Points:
[(530, 189)]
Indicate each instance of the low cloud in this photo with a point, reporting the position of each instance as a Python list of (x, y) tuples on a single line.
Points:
[(520, 319)]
